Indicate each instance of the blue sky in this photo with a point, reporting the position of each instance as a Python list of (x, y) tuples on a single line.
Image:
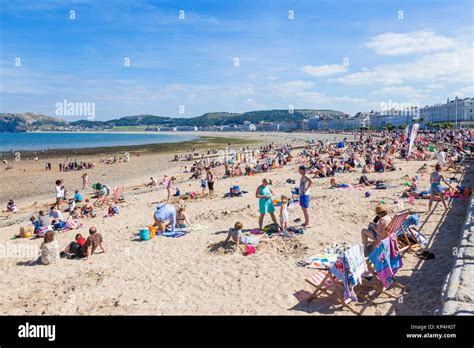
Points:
[(343, 55)]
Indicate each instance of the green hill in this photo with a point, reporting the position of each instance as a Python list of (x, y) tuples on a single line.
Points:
[(30, 121)]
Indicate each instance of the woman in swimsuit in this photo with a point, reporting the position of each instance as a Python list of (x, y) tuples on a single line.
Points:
[(181, 218)]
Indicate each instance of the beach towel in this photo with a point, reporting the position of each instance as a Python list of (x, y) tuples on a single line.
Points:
[(356, 262), (256, 231), (175, 234), (350, 188), (197, 227), (340, 270), (322, 261), (386, 260), (349, 267)]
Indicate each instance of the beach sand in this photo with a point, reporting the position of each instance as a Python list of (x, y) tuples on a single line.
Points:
[(191, 274)]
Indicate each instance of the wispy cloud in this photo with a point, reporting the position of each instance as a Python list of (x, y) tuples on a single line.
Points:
[(397, 44)]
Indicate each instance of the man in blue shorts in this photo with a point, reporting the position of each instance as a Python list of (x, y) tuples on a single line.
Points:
[(305, 184)]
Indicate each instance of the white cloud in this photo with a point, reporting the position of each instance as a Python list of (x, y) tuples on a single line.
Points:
[(402, 90), (298, 91), (454, 66), (252, 103), (290, 88), (321, 98), (397, 44), (436, 86), (467, 91), (324, 70)]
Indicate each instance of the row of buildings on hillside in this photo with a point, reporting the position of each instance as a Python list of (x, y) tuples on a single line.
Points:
[(459, 112)]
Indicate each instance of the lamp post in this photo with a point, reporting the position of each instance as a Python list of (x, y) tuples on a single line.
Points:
[(456, 122)]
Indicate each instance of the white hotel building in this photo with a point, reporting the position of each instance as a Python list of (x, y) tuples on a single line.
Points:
[(458, 111)]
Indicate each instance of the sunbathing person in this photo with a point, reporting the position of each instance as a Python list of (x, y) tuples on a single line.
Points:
[(181, 218), (412, 190), (112, 210), (72, 249), (335, 184), (87, 209), (11, 206), (153, 182), (49, 249), (72, 220), (93, 241), (379, 166), (55, 215), (377, 229)]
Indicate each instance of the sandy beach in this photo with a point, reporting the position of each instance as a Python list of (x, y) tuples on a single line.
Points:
[(191, 274)]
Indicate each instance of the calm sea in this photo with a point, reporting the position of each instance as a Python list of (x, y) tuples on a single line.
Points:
[(44, 141)]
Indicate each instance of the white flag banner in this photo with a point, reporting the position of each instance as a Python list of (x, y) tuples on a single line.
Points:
[(414, 132)]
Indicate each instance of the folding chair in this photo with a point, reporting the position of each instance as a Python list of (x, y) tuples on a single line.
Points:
[(396, 224), (372, 270), (325, 281), (406, 231)]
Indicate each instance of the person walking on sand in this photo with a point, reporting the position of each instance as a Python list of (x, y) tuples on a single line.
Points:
[(210, 180), (305, 184), (264, 194), (168, 183), (85, 180), (436, 188), (59, 194)]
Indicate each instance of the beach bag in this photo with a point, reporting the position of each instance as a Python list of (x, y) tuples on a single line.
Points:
[(27, 232), (144, 234), (381, 186), (271, 228), (60, 225)]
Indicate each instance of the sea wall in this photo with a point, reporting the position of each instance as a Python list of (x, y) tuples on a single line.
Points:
[(458, 290)]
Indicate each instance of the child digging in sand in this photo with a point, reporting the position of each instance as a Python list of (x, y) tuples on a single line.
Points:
[(238, 238)]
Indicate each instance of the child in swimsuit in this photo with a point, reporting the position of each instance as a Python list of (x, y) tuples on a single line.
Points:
[(284, 213), (239, 238)]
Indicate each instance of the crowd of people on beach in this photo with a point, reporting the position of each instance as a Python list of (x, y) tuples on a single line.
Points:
[(68, 166), (371, 152)]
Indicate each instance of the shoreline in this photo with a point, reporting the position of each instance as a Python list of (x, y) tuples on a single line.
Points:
[(179, 146)]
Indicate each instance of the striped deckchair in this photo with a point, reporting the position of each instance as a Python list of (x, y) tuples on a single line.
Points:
[(326, 282), (417, 239), (219, 171), (397, 224)]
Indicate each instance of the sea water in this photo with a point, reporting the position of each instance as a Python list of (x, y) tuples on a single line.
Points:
[(68, 140)]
